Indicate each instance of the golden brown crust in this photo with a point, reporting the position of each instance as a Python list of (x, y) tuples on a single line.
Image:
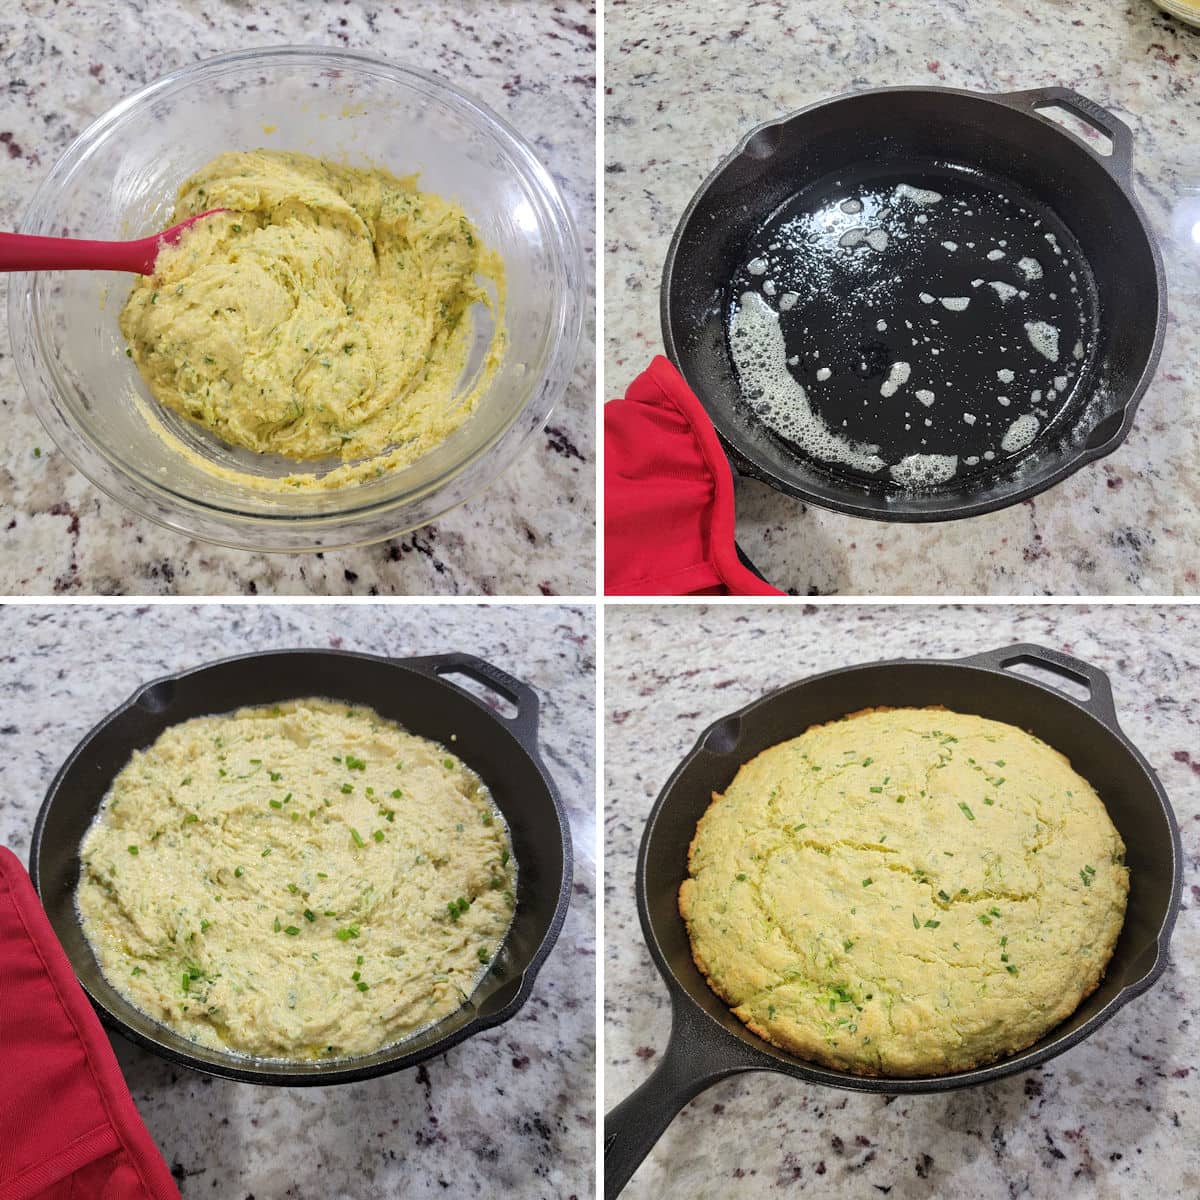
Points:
[(815, 1053)]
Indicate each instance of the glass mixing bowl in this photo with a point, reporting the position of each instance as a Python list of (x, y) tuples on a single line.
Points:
[(119, 178)]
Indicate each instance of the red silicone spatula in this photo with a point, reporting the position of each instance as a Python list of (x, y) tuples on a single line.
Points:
[(21, 252)]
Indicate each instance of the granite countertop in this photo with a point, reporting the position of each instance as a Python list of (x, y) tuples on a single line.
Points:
[(509, 1111), (1113, 1117), (685, 82), (67, 62)]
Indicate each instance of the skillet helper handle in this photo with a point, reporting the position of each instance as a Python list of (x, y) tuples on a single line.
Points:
[(523, 724), (1120, 159), (689, 1066), (1100, 697)]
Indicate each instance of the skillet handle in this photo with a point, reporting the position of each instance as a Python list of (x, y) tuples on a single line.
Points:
[(1120, 160), (691, 1063), (1100, 697), (523, 724)]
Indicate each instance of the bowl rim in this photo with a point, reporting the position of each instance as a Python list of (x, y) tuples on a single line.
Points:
[(431, 495)]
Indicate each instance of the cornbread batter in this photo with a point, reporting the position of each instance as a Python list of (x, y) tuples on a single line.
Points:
[(301, 881), (905, 892), (324, 316)]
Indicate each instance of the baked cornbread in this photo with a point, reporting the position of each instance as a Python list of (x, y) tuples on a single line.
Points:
[(905, 892)]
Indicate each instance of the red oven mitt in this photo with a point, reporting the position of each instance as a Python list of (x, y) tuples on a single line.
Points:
[(68, 1126), (668, 496)]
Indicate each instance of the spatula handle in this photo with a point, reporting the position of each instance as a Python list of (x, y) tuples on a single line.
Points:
[(23, 252)]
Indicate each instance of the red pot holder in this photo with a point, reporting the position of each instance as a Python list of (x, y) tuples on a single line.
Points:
[(668, 496), (68, 1126)]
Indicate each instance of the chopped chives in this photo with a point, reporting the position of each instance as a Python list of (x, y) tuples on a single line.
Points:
[(356, 976), (359, 960), (190, 818), (396, 793), (932, 924), (966, 811), (943, 896), (275, 803), (916, 921), (132, 849), (277, 925), (358, 841), (293, 888), (347, 788), (291, 931), (482, 954), (362, 987), (355, 764), (867, 882), (309, 915), (378, 835), (237, 872), (448, 763)]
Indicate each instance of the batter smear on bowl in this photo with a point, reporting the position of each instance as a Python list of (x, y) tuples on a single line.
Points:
[(325, 316)]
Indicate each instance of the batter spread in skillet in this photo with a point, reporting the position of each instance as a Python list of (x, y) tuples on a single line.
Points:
[(326, 315), (301, 881), (905, 892)]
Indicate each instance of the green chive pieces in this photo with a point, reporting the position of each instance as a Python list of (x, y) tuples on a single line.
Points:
[(966, 810), (133, 850), (358, 841), (378, 835), (309, 915), (278, 926), (867, 882), (291, 931), (482, 954), (355, 764)]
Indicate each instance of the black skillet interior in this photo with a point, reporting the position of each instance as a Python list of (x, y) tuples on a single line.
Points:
[(708, 1042), (990, 156), (411, 691)]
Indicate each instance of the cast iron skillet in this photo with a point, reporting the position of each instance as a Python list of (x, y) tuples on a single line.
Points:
[(925, 135), (503, 750), (708, 1042)]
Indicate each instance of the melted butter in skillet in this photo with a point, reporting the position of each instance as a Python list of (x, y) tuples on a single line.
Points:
[(935, 327)]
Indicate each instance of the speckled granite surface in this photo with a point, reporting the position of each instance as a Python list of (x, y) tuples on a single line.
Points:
[(64, 63), (509, 1112), (1111, 1118), (686, 81)]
